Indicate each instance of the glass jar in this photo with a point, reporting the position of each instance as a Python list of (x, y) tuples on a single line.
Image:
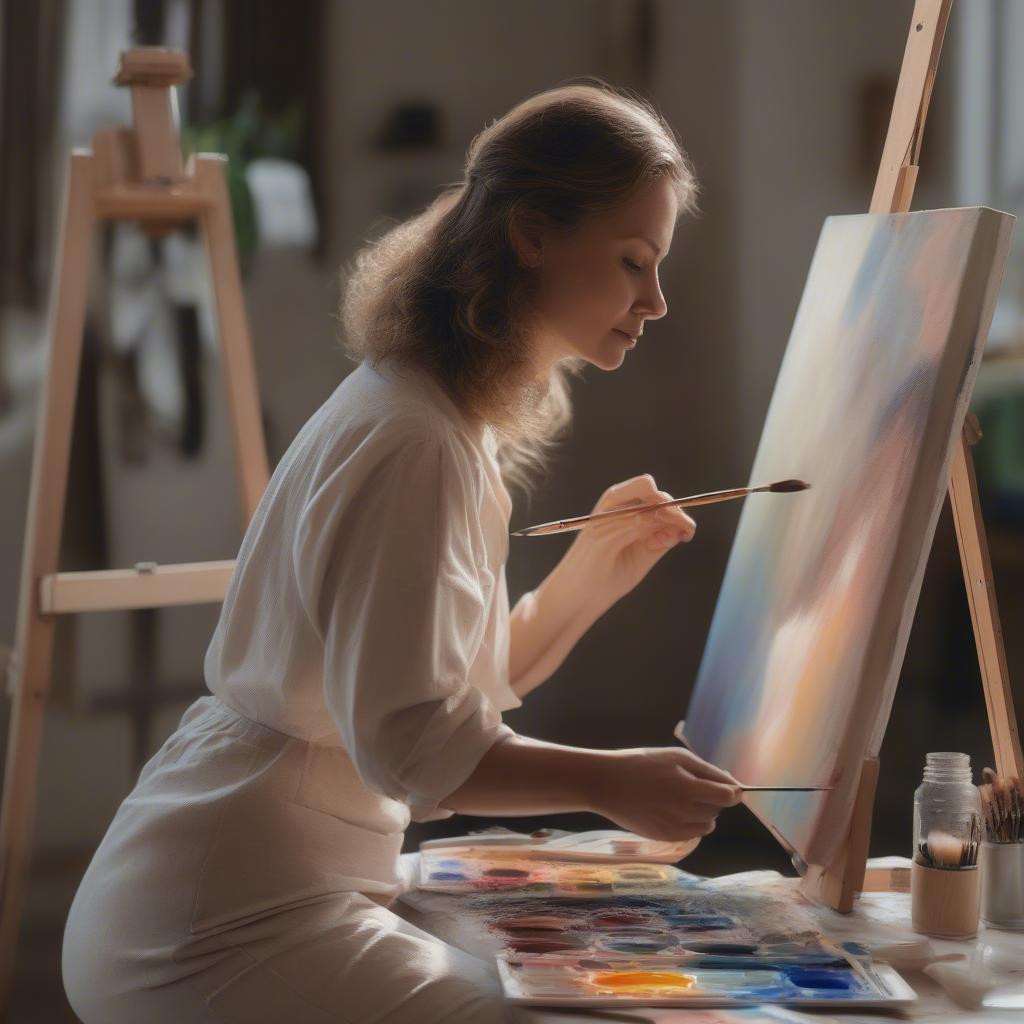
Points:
[(947, 814)]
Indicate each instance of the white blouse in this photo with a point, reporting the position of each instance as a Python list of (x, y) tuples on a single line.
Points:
[(368, 612)]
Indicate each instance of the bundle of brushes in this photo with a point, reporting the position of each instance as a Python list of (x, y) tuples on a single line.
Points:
[(942, 850), (1002, 801)]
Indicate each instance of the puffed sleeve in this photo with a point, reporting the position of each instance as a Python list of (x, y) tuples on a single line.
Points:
[(385, 565)]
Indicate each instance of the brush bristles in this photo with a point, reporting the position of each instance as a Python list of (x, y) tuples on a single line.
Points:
[(944, 850), (785, 486), (1002, 801)]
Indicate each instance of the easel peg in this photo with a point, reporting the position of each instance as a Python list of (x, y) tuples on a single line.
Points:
[(972, 429), (905, 188)]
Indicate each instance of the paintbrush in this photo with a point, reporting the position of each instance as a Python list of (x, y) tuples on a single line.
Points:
[(1002, 802), (942, 850), (785, 789), (578, 522)]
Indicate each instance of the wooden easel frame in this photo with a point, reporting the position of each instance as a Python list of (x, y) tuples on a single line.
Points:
[(838, 883), (134, 174)]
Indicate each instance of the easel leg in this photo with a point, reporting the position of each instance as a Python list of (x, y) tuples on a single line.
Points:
[(981, 597), (30, 677), (839, 883), (236, 347)]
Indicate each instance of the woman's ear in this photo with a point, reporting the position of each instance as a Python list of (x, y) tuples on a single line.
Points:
[(527, 240)]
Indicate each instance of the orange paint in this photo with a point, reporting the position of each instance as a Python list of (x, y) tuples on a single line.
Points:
[(625, 981)]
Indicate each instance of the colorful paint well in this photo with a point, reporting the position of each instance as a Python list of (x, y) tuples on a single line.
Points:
[(538, 980), (641, 981), (442, 872)]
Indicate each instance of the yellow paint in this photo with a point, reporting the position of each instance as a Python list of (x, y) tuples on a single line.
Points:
[(627, 981)]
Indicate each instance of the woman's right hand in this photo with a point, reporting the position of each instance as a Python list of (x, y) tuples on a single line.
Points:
[(664, 793)]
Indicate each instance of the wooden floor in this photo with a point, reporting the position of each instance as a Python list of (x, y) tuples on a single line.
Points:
[(38, 995)]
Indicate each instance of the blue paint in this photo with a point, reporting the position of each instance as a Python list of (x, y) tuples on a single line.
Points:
[(699, 922), (447, 876), (769, 963), (722, 948), (638, 944), (824, 981)]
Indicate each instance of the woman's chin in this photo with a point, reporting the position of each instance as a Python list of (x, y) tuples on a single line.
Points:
[(606, 359)]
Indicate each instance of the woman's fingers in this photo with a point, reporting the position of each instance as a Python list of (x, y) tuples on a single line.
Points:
[(664, 526), (634, 491), (697, 766), (674, 517), (714, 794)]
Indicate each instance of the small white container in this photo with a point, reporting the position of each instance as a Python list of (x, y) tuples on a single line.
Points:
[(1002, 885)]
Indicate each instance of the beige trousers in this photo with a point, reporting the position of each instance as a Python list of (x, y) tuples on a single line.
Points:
[(216, 897)]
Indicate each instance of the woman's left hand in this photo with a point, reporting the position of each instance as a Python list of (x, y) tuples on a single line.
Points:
[(613, 556)]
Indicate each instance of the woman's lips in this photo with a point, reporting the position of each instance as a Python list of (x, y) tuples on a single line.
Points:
[(631, 341)]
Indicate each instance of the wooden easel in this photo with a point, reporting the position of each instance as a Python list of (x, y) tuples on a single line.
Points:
[(838, 883), (133, 174)]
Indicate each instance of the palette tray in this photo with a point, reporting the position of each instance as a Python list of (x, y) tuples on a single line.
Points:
[(824, 977), (448, 870), (599, 845), (571, 934)]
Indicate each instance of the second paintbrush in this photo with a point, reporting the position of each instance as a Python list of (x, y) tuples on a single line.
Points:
[(578, 522)]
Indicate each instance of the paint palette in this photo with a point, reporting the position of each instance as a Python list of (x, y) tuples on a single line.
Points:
[(442, 870), (627, 926), (606, 934), (825, 976)]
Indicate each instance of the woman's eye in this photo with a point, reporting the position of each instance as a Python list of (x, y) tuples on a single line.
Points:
[(632, 266)]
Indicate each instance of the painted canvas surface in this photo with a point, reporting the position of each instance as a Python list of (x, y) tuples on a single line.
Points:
[(812, 619)]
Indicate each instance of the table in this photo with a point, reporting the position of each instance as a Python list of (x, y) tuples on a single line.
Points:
[(880, 921)]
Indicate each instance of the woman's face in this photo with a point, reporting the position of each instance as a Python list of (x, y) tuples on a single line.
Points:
[(600, 284)]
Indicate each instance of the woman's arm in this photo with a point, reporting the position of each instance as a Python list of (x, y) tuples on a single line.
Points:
[(605, 561), (659, 792), (547, 622)]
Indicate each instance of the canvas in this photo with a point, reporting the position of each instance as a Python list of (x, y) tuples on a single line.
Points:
[(815, 608)]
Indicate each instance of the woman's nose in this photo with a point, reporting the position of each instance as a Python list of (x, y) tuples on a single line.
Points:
[(652, 304)]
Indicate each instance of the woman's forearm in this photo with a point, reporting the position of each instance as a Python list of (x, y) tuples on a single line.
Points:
[(547, 622), (523, 776)]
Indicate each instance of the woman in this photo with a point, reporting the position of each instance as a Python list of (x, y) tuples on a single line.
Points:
[(365, 649)]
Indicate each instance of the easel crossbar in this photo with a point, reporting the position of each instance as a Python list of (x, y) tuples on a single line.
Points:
[(121, 589)]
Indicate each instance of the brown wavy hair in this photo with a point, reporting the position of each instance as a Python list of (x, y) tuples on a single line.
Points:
[(446, 291)]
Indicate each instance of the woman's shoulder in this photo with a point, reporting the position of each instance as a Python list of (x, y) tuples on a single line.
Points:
[(400, 403), (369, 404), (374, 419)]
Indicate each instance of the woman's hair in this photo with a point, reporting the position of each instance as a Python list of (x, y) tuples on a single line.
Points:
[(446, 290)]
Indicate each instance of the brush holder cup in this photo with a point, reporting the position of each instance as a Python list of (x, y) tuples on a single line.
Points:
[(944, 902), (1002, 885), (945, 881)]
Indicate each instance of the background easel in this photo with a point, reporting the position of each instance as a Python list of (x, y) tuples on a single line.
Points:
[(131, 173), (837, 884)]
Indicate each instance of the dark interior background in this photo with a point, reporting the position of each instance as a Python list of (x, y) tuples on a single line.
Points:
[(367, 109)]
